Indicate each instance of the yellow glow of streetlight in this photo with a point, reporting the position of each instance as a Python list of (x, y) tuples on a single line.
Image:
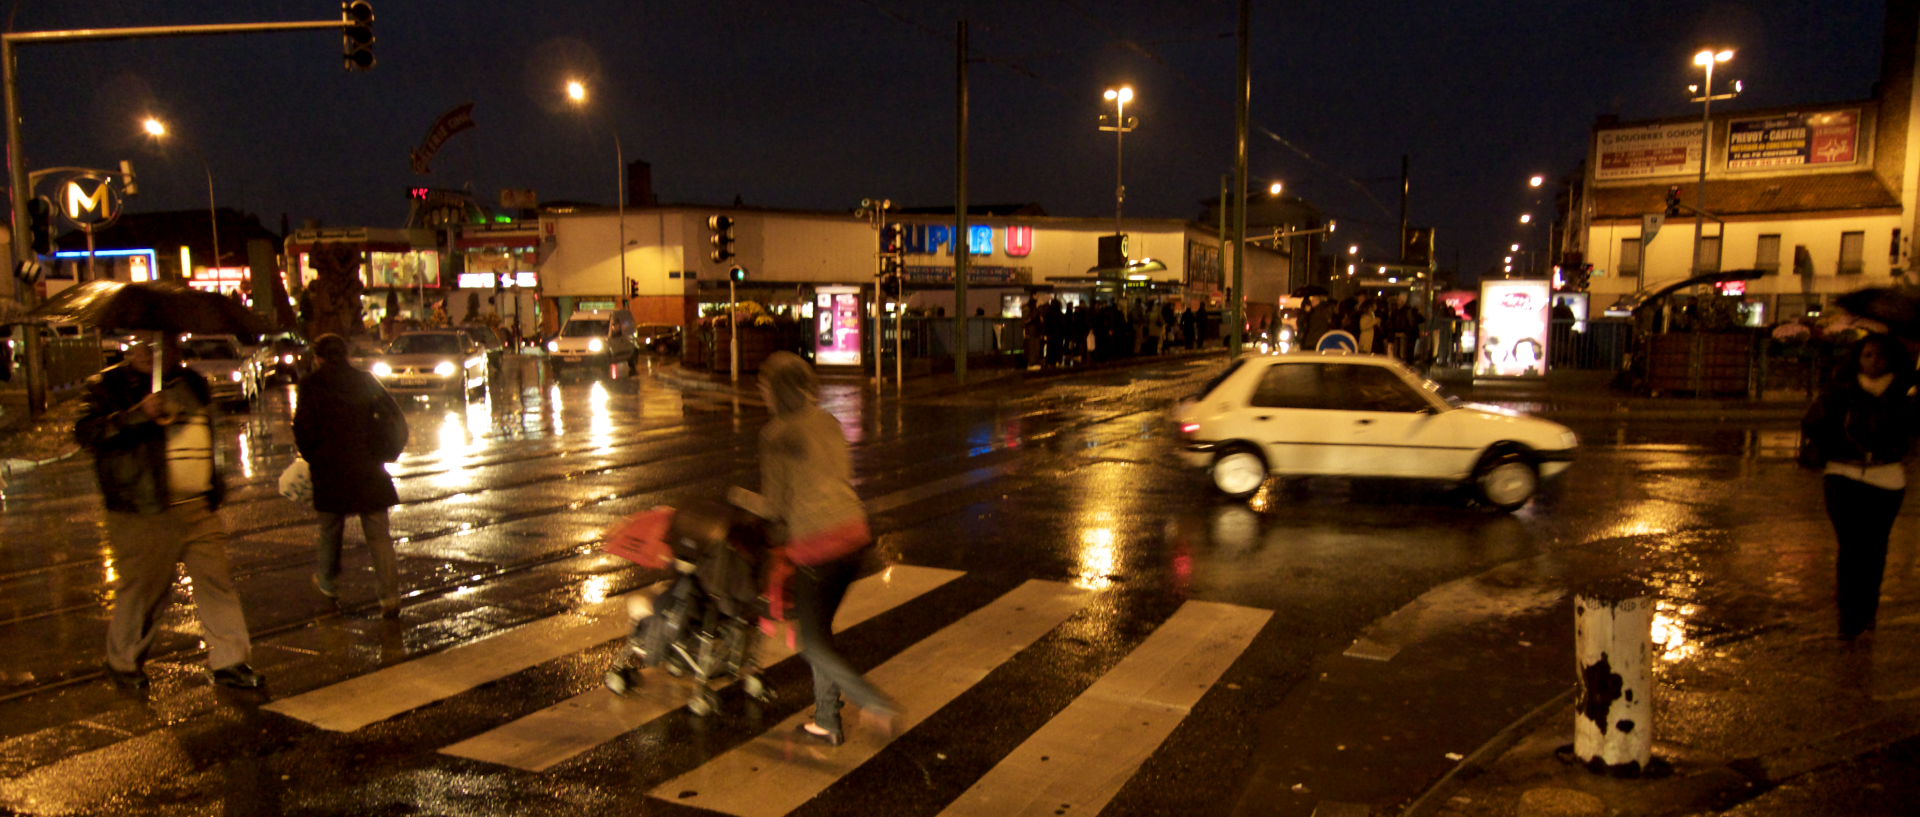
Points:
[(1507, 260), (1507, 268), (576, 90), (1536, 181), (1526, 218), (1124, 94), (1275, 188), (154, 127), (1514, 248), (1708, 55), (1353, 249)]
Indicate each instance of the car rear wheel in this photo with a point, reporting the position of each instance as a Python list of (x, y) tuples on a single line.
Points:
[(1506, 481), (1238, 471)]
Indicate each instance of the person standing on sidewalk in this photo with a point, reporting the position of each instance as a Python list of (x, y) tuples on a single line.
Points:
[(155, 459), (1861, 431), (806, 475), (348, 428)]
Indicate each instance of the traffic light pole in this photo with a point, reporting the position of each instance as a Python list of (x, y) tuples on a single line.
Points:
[(16, 165), (733, 332)]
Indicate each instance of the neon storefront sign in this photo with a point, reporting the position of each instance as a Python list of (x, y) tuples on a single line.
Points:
[(936, 239)]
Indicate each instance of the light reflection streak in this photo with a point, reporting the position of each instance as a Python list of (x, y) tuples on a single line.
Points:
[(555, 409), (599, 417), (594, 590), (1670, 630), (1097, 559)]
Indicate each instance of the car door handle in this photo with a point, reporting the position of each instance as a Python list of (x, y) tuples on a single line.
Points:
[(1363, 422), (1263, 417)]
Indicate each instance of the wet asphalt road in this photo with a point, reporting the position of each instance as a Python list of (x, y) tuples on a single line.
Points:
[(1071, 480)]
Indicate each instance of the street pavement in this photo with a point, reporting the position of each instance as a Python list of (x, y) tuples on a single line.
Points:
[(1780, 719)]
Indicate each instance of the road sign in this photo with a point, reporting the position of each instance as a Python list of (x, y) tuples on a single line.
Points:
[(1649, 226), (90, 200), (1338, 340)]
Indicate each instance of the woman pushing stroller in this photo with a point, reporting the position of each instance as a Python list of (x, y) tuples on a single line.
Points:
[(806, 475)]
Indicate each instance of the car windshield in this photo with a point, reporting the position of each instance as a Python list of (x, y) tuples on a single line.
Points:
[(208, 349), (424, 345), (584, 329), (1215, 381)]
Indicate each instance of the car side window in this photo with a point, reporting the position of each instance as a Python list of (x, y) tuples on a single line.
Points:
[(1371, 388), (1291, 385)]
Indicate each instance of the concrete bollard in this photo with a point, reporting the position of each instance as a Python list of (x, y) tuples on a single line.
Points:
[(1613, 714)]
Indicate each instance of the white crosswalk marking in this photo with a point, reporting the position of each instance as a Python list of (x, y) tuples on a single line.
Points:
[(774, 774), (382, 694), (549, 736), (1082, 757)]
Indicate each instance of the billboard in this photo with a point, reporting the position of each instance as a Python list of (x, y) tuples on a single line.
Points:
[(1794, 140), (1644, 152), (837, 315), (1513, 329)]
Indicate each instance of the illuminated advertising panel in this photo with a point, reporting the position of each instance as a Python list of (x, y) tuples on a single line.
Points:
[(837, 313), (1653, 150), (1513, 329)]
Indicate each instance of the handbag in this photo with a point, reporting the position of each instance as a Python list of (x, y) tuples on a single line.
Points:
[(296, 483)]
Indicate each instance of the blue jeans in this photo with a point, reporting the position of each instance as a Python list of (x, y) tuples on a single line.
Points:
[(817, 593)]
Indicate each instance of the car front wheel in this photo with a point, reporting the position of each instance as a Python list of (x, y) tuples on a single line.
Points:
[(1506, 481), (1238, 471)]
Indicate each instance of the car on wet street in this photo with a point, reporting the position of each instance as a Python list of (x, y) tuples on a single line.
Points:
[(660, 339), (1363, 416), (431, 361), (489, 341), (224, 363), (281, 358)]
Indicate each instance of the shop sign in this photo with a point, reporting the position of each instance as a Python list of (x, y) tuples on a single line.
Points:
[(934, 239), (90, 200), (504, 280), (991, 276), (1794, 140), (1654, 150), (1514, 317)]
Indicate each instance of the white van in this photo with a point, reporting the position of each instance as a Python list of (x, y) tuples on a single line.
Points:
[(598, 337)]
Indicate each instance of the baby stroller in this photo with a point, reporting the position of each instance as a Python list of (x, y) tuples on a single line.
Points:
[(706, 624)]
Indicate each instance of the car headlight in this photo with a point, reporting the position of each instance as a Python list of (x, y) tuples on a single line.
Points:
[(287, 359), (596, 345), (235, 374), (381, 369), (445, 368), (553, 346)]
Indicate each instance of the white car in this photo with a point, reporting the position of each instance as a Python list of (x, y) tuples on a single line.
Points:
[(600, 338), (428, 361), (1349, 415), (223, 362)]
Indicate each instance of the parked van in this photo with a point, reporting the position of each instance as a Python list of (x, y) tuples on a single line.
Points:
[(598, 337)]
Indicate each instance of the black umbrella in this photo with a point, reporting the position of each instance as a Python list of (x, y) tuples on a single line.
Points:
[(1897, 307), (167, 307)]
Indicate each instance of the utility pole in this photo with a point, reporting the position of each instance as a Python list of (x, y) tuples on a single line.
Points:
[(1241, 114), (962, 240)]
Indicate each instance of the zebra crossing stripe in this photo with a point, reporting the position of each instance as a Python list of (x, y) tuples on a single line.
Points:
[(775, 773), (1081, 758), (382, 694), (538, 741)]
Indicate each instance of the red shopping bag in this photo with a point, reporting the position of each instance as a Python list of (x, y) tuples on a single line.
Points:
[(642, 538)]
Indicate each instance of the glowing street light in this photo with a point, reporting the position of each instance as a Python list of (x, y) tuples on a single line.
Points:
[(577, 94), (1526, 218), (1707, 58), (1353, 249), (158, 130), (1536, 181), (1121, 125), (1275, 188)]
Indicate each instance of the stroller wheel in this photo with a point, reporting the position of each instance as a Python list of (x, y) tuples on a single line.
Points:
[(757, 689), (702, 703), (622, 680)]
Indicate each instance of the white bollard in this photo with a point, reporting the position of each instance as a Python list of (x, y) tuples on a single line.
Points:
[(1613, 714)]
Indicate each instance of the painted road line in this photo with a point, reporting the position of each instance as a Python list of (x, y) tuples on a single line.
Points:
[(1079, 760), (384, 693), (777, 773), (908, 496), (538, 741)]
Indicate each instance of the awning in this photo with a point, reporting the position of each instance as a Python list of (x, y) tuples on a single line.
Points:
[(1135, 267)]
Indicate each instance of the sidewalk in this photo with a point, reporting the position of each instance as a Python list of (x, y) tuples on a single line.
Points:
[(1765, 711)]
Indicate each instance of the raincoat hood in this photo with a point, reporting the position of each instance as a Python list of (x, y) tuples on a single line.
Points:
[(790, 381)]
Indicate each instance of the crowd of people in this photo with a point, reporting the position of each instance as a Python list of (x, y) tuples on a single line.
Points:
[(1059, 333), (1382, 325)]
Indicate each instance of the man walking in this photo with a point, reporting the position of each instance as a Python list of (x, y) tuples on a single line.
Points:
[(154, 458), (348, 428)]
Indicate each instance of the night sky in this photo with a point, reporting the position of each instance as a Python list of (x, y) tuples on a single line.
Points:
[(814, 104)]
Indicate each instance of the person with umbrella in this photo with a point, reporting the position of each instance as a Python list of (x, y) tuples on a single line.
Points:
[(156, 463)]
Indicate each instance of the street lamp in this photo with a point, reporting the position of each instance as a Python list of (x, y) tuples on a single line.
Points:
[(1536, 181), (577, 94), (1275, 188), (1706, 59), (158, 130), (1121, 125)]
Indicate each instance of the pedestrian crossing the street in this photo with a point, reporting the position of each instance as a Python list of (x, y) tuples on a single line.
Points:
[(1079, 758)]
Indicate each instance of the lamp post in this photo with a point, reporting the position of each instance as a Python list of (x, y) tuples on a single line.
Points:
[(1706, 59), (1121, 125), (577, 94), (158, 130)]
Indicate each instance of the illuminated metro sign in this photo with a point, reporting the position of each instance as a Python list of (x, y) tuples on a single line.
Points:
[(935, 239)]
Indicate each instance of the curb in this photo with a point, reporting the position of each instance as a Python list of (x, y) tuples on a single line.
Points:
[(1481, 758)]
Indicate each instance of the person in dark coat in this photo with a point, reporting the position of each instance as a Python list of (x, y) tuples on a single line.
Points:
[(1860, 431), (158, 468), (337, 432)]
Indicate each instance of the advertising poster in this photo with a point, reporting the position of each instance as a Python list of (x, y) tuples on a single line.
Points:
[(1513, 329), (1655, 150), (1794, 140), (837, 313)]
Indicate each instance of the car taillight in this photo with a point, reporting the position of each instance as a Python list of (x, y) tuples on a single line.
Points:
[(1189, 428)]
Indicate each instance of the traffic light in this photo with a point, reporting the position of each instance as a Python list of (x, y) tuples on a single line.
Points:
[(893, 276), (737, 274), (1578, 277), (356, 39), (633, 289), (890, 239), (40, 225), (1673, 200), (721, 228)]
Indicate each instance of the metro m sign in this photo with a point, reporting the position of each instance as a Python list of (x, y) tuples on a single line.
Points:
[(90, 201)]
